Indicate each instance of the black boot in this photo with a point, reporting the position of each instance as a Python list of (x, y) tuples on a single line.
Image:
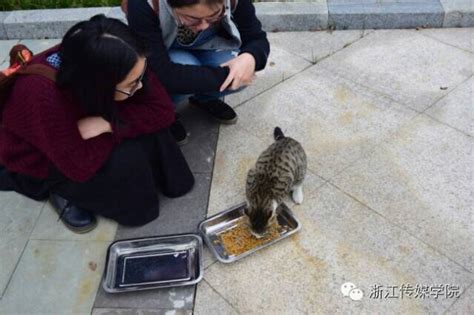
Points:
[(178, 131), (76, 219), (218, 109), (6, 183)]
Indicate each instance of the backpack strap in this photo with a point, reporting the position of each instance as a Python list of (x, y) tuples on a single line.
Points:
[(48, 50), (39, 69)]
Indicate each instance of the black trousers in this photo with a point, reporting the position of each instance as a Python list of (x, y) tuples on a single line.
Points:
[(125, 188)]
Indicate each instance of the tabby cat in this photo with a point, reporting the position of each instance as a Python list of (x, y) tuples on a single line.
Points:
[(279, 170)]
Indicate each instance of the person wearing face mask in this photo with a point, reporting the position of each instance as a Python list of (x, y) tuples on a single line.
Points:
[(202, 48), (95, 140)]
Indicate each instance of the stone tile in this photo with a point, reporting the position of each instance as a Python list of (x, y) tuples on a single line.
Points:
[(237, 152), (320, 2), (367, 32), (117, 13), (455, 109), (55, 277), (135, 311), (336, 120), (313, 46), (380, 2), (458, 13), (408, 67), (209, 302), (280, 66), (3, 16), (52, 23), (459, 37), (384, 14), (196, 121), (464, 305), (178, 215), (179, 299), (203, 133), (49, 228), (341, 240), (208, 258), (5, 46), (421, 180), (18, 216), (199, 152), (265, 80), (287, 16), (39, 45)]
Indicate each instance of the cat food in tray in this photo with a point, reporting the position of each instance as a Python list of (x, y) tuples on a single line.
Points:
[(154, 262), (228, 236)]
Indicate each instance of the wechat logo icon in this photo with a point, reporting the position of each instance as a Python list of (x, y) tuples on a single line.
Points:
[(349, 289)]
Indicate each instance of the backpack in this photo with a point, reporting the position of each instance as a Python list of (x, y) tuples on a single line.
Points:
[(20, 56)]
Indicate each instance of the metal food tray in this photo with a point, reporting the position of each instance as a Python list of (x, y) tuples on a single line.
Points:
[(212, 227), (154, 262)]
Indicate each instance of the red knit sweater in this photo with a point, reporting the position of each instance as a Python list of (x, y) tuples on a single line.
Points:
[(39, 127)]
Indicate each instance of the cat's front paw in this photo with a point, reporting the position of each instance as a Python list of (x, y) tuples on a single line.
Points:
[(297, 195)]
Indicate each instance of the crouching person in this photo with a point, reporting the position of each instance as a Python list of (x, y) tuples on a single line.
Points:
[(95, 141)]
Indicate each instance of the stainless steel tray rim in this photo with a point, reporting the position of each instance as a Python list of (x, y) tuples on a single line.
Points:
[(106, 280), (232, 259), (133, 289)]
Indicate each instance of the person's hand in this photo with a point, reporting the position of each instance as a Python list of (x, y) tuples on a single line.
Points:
[(91, 127), (10, 70), (242, 72)]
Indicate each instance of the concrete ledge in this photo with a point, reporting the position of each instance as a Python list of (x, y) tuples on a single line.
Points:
[(3, 16), (116, 13), (275, 16), (46, 23), (280, 16), (458, 13), (385, 15)]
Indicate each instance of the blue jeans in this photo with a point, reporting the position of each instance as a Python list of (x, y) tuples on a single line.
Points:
[(197, 57)]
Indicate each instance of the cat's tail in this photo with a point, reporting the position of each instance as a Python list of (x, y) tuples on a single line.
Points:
[(278, 134)]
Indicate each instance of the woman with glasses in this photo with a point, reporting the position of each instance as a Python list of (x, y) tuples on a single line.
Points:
[(206, 48), (95, 141)]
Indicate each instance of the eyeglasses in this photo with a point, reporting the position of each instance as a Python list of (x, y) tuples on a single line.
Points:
[(136, 85), (187, 20)]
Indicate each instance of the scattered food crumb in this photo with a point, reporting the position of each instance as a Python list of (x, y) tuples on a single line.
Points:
[(443, 87), (92, 265)]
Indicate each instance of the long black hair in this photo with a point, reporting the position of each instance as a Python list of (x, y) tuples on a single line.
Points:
[(96, 55)]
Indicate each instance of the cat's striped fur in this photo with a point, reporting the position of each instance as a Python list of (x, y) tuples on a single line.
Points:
[(279, 170)]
